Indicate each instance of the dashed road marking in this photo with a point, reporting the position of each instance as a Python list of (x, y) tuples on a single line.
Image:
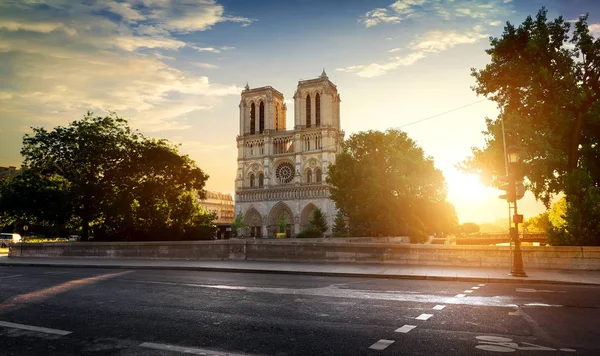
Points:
[(381, 344), (11, 276), (475, 287), (34, 328), (459, 295), (468, 291), (188, 350), (424, 316), (439, 307), (481, 285), (513, 313), (406, 328)]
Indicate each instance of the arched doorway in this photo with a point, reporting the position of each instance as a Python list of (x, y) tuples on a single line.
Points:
[(281, 212), (253, 221), (306, 215)]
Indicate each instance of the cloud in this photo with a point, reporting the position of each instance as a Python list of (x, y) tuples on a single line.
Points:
[(67, 58), (212, 49), (447, 10), (430, 43), (395, 50), (594, 29), (205, 65)]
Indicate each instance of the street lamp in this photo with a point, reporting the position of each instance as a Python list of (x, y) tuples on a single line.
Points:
[(517, 269)]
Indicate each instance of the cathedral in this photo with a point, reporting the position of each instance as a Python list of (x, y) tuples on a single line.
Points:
[(281, 173)]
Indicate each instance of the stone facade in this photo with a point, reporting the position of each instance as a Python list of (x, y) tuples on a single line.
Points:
[(282, 173), (220, 204)]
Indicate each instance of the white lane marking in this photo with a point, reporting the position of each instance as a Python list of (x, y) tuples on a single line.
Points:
[(188, 350), (475, 287), (459, 295), (481, 284), (542, 305), (34, 328), (439, 307), (406, 328), (513, 313), (11, 276), (381, 344), (531, 290), (468, 291), (424, 316)]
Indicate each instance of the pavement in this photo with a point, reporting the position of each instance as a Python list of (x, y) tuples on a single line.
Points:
[(133, 312), (388, 271)]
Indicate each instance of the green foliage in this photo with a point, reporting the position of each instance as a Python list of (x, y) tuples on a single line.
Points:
[(238, 223), (281, 223), (340, 228), (317, 224), (386, 186), (538, 223), (469, 228), (111, 181), (545, 78)]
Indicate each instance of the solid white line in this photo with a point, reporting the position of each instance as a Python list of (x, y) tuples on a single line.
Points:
[(459, 295), (439, 307), (381, 344), (11, 276), (424, 316), (405, 329), (34, 328), (188, 350), (468, 291)]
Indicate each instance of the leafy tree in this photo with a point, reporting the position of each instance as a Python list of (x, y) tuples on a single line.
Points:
[(281, 224), (318, 223), (538, 223), (116, 183), (340, 228), (469, 228), (238, 223), (386, 186), (545, 79)]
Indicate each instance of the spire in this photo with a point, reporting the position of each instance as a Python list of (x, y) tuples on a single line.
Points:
[(323, 74), (247, 87)]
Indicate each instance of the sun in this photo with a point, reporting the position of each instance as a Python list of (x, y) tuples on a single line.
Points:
[(466, 188)]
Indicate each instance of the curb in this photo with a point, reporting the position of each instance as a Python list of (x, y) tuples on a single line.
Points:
[(305, 273)]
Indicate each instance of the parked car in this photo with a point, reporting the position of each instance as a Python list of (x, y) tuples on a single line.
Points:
[(5, 238)]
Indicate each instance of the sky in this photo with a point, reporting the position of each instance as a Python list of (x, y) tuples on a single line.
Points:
[(176, 68)]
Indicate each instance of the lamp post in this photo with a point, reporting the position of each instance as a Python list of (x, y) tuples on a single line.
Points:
[(517, 269)]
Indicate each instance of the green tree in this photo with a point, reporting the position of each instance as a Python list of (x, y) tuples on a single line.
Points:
[(537, 223), (340, 228), (118, 182), (469, 228), (317, 224), (238, 223), (545, 79), (281, 224), (386, 186)]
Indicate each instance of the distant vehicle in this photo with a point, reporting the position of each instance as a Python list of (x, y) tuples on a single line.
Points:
[(73, 238), (5, 238)]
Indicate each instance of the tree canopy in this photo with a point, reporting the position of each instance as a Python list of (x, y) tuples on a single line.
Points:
[(110, 180), (545, 77), (386, 186)]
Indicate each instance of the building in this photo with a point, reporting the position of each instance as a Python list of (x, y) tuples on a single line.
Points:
[(220, 204), (281, 173), (10, 171)]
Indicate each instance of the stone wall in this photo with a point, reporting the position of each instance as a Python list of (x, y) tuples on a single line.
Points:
[(321, 250)]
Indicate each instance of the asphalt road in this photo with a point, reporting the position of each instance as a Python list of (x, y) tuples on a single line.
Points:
[(67, 311)]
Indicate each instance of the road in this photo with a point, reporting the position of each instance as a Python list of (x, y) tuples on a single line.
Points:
[(86, 311)]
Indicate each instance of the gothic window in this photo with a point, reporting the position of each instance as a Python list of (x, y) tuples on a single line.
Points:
[(276, 117), (251, 180), (308, 110), (252, 118), (261, 180), (318, 175), (261, 117), (285, 172), (318, 110), (308, 176)]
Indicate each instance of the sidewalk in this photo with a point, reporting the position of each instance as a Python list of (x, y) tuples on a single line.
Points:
[(478, 274)]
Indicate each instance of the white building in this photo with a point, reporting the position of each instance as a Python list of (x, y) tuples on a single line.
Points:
[(281, 173)]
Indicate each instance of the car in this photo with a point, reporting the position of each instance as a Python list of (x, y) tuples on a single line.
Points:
[(73, 238), (6, 238)]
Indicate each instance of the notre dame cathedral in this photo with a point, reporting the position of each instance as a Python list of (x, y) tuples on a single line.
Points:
[(281, 173)]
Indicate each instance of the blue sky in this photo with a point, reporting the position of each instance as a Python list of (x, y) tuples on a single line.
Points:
[(175, 69)]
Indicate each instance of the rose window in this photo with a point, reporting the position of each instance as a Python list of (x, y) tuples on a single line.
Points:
[(285, 172)]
